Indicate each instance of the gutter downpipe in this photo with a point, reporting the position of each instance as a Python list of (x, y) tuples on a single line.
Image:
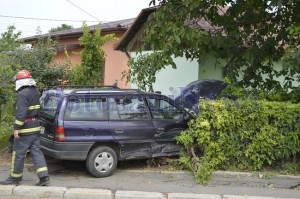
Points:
[(127, 53)]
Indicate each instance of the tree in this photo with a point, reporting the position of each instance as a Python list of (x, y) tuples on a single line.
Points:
[(39, 61), (8, 43), (143, 70), (91, 69), (15, 56), (60, 28), (248, 35), (8, 40)]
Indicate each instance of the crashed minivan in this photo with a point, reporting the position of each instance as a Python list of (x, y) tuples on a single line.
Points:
[(105, 125)]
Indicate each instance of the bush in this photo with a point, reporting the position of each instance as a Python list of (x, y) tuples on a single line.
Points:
[(7, 119), (6, 128), (244, 134)]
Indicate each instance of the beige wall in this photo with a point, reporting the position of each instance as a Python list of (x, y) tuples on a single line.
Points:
[(115, 62)]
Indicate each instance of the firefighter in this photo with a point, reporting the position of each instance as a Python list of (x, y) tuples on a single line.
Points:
[(26, 131)]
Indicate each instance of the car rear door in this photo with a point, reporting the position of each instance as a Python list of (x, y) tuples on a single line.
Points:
[(86, 119)]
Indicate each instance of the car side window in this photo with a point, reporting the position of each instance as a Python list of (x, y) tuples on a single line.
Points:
[(163, 109), (127, 108), (86, 108)]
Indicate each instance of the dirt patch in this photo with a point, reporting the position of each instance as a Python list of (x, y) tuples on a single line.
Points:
[(163, 163), (5, 157)]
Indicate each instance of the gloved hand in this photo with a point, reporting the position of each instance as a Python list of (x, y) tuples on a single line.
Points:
[(16, 134)]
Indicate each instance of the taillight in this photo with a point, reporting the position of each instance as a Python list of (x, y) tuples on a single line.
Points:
[(59, 134)]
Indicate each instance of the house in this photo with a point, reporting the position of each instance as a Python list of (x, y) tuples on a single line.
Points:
[(115, 62), (169, 81)]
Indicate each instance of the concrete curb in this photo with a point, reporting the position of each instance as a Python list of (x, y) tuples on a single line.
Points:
[(83, 193), (41, 192), (235, 173)]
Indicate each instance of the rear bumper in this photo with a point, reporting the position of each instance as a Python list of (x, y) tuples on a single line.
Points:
[(65, 150)]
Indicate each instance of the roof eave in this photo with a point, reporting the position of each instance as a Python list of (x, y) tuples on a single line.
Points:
[(138, 22), (77, 32)]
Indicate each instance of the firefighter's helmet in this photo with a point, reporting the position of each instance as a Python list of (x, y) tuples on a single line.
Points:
[(22, 75)]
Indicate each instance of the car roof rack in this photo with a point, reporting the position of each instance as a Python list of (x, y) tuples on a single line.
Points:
[(80, 86), (124, 91), (85, 86), (93, 88)]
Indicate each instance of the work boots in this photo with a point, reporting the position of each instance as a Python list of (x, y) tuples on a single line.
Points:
[(11, 181), (44, 181)]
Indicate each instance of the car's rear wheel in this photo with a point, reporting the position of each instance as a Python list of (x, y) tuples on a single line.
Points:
[(101, 161)]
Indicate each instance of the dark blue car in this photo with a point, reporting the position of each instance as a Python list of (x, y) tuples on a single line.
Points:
[(107, 125)]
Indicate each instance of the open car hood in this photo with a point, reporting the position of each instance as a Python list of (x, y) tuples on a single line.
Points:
[(190, 95)]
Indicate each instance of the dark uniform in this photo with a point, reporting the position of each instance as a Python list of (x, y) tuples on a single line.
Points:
[(27, 131), (27, 123)]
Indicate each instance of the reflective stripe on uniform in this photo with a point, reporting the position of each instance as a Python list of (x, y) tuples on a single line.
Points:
[(41, 169), (18, 122), (29, 130), (16, 175), (34, 107), (13, 167)]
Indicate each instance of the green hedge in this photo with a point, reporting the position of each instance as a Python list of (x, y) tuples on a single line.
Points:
[(7, 119), (244, 134), (6, 128)]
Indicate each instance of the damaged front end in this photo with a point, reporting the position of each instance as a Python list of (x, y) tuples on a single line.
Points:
[(190, 95)]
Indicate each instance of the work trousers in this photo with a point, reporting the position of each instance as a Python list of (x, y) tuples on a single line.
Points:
[(20, 147)]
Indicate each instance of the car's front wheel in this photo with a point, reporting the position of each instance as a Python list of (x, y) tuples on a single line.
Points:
[(101, 161)]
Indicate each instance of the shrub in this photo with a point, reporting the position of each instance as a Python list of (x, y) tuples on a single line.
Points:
[(6, 129), (243, 134)]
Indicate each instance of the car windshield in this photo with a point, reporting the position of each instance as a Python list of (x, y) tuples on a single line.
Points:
[(49, 102)]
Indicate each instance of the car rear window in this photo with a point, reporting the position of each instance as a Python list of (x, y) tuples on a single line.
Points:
[(86, 108), (49, 103)]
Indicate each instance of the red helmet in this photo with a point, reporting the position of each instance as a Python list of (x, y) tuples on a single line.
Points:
[(22, 75)]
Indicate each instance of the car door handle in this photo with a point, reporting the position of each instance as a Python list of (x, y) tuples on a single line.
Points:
[(119, 131), (160, 130)]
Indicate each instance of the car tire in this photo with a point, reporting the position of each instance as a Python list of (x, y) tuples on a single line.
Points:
[(101, 162)]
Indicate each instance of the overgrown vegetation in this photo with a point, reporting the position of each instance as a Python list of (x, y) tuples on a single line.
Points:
[(91, 69), (250, 37), (245, 134), (15, 56), (261, 128), (258, 130), (61, 28), (39, 60)]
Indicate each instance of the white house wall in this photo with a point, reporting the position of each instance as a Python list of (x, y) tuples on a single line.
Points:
[(169, 80)]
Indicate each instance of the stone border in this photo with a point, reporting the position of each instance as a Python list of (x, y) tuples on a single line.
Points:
[(83, 193)]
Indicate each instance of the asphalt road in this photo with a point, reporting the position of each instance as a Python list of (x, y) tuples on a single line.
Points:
[(138, 178)]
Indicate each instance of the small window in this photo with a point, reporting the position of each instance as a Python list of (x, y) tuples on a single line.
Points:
[(86, 109), (127, 108)]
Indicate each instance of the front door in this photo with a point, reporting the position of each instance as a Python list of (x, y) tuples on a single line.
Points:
[(131, 126), (168, 122)]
